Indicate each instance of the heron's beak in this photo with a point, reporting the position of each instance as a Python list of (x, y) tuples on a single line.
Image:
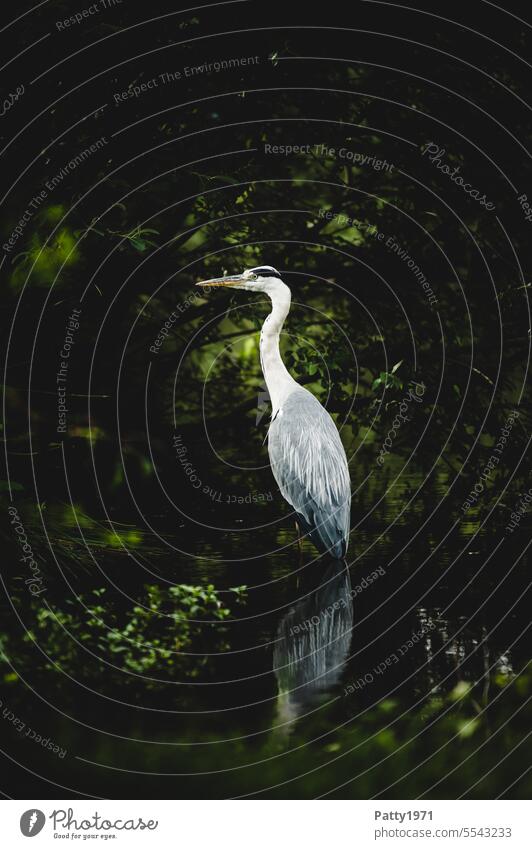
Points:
[(232, 280)]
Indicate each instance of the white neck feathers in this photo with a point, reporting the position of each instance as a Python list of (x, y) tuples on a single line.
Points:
[(279, 382)]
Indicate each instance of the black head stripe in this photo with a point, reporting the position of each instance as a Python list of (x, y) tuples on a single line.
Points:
[(266, 272)]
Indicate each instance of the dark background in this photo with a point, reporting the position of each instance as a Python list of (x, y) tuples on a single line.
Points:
[(139, 649)]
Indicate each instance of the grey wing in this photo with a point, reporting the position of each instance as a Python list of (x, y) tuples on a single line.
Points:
[(309, 464)]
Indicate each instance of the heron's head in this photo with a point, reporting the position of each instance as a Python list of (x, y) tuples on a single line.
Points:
[(263, 278)]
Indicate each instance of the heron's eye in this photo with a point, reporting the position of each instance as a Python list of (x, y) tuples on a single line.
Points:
[(253, 276)]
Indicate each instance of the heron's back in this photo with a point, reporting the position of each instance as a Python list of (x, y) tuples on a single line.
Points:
[(309, 464)]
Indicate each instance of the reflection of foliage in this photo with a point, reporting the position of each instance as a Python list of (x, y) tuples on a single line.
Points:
[(90, 636), (455, 743), (442, 743)]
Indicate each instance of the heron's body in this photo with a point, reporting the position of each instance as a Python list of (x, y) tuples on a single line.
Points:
[(306, 453), (309, 464)]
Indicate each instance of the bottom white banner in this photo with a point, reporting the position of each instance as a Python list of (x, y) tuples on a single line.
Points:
[(233, 824)]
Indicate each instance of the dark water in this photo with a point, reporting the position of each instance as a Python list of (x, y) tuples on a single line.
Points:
[(373, 676)]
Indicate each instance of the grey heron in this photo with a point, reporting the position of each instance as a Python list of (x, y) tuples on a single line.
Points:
[(307, 457)]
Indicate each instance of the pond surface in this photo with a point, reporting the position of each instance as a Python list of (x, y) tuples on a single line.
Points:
[(381, 675)]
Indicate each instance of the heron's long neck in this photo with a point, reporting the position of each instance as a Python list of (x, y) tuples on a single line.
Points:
[(279, 382)]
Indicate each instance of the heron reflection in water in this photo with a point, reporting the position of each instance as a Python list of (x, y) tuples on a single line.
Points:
[(312, 646)]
